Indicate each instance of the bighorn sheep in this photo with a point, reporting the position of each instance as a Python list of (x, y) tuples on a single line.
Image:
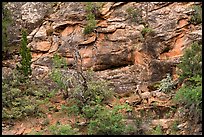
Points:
[(143, 96)]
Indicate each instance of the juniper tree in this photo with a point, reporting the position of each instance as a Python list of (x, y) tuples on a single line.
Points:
[(25, 53)]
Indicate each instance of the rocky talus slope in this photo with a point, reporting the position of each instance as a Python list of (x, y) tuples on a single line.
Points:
[(117, 50)]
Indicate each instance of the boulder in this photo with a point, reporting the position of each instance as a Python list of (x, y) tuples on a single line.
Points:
[(109, 29), (113, 59), (41, 33), (164, 123), (36, 56), (33, 11), (118, 4), (69, 11), (67, 31), (195, 35), (55, 44), (159, 69), (40, 71), (42, 46), (87, 63), (63, 24), (44, 60), (54, 47), (27, 15), (31, 35), (89, 40), (86, 52), (106, 8), (69, 61), (102, 24), (124, 35)]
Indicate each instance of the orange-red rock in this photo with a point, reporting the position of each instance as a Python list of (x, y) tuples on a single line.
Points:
[(67, 31), (86, 53), (139, 58), (87, 62), (41, 46), (35, 56), (54, 47)]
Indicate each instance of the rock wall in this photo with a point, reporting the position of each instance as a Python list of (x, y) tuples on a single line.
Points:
[(116, 50)]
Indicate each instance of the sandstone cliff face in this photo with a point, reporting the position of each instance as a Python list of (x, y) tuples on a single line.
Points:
[(116, 50)]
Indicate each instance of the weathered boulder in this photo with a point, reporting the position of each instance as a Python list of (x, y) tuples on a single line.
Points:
[(159, 69), (106, 8), (89, 40), (67, 31), (195, 35), (39, 72), (27, 15), (109, 29), (41, 33), (40, 46), (113, 59), (124, 79), (36, 56), (124, 35), (55, 44), (69, 11), (54, 47), (87, 63), (44, 60), (86, 52), (33, 11)]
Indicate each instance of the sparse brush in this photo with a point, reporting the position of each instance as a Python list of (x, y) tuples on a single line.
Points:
[(146, 30), (166, 84), (196, 18), (134, 14)]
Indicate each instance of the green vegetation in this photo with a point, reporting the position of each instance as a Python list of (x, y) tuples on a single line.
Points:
[(191, 62), (108, 122), (91, 24), (146, 30), (25, 53), (59, 129), (197, 15), (93, 7), (91, 106), (21, 99), (58, 77), (97, 90), (157, 130), (97, 93), (23, 96), (174, 128), (190, 94), (6, 21), (91, 15), (166, 84), (59, 62), (135, 14), (100, 119), (35, 133)]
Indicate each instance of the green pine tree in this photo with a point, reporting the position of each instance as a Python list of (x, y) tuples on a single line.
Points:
[(25, 53)]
